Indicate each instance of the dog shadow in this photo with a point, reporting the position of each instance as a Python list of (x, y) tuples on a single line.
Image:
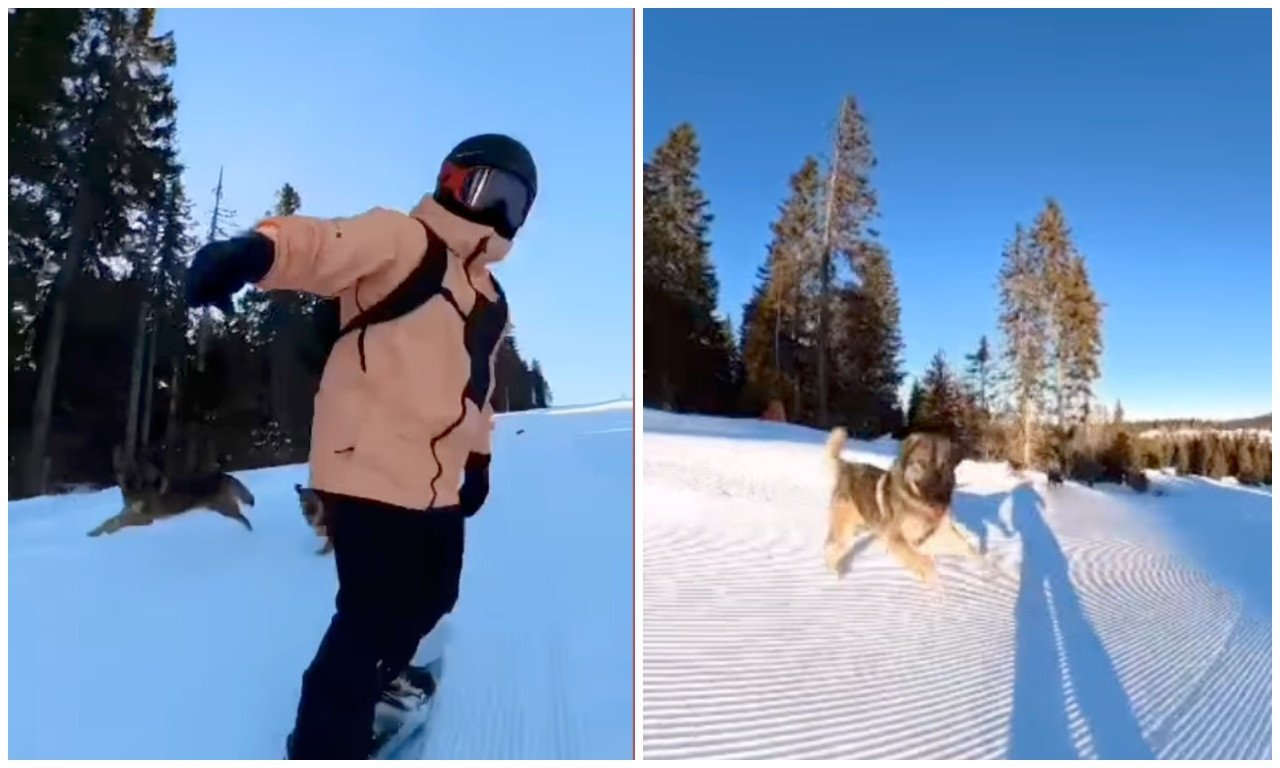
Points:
[(844, 564), (979, 514), (1039, 728)]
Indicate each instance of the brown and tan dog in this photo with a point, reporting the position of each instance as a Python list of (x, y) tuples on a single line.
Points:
[(908, 507), (313, 512), (149, 495)]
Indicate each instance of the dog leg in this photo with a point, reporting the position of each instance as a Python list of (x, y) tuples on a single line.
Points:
[(915, 562), (228, 508), (839, 547), (110, 525), (834, 553), (951, 540), (125, 519)]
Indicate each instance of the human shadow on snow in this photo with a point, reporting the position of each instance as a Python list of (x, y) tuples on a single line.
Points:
[(1039, 728)]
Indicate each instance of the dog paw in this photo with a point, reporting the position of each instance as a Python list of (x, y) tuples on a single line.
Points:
[(928, 573)]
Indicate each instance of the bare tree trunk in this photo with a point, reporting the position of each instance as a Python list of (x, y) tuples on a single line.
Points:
[(34, 473), (796, 386), (281, 378), (135, 384), (204, 328), (206, 324), (1062, 406), (824, 294), (777, 340), (171, 424), (148, 393), (1026, 433)]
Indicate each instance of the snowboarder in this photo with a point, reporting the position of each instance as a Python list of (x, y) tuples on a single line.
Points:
[(402, 435)]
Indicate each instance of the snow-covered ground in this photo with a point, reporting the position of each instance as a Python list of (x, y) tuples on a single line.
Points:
[(1124, 626), (188, 638)]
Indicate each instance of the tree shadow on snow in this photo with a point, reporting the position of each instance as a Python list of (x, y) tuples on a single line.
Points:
[(1038, 727)]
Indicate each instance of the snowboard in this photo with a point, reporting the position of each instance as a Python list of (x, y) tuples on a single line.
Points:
[(397, 724)]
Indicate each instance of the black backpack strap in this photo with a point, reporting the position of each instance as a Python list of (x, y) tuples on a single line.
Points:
[(422, 284)]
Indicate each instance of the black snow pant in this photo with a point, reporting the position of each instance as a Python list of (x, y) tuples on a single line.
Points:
[(398, 573)]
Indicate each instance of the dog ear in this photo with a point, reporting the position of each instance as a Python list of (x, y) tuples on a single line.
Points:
[(918, 449), (909, 445)]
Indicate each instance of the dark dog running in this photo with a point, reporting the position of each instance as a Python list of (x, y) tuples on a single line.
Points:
[(313, 512), (150, 496)]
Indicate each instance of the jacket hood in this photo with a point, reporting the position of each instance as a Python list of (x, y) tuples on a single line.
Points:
[(461, 236)]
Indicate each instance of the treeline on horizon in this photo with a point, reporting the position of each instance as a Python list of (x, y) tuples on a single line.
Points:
[(820, 342), (102, 350), (1262, 422)]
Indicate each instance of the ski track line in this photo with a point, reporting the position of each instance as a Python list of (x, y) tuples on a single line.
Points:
[(752, 649)]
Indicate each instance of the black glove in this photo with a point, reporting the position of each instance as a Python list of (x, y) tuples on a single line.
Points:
[(475, 483), (223, 267)]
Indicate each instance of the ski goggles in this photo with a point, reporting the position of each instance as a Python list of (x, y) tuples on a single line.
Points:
[(496, 197)]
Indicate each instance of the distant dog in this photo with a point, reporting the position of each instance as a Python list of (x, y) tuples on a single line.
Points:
[(907, 507), (1055, 478), (149, 496), (313, 512)]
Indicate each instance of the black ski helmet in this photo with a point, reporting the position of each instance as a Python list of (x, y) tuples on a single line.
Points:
[(494, 150)]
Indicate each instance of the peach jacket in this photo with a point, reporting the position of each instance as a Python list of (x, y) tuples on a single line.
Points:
[(401, 404)]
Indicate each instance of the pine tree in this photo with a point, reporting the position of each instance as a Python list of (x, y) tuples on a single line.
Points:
[(869, 354), (859, 335), (914, 402), (1181, 460), (541, 394), (1024, 325), (1216, 467), (1245, 465), (41, 49), (980, 383), (775, 337), (1198, 456), (850, 206), (980, 374), (942, 404), (288, 201), (515, 386), (686, 353), (118, 127), (1119, 457), (288, 326), (1075, 316)]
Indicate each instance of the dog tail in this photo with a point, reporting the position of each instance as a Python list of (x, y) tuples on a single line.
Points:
[(835, 446), (239, 490)]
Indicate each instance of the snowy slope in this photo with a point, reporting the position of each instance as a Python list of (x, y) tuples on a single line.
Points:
[(1123, 626), (188, 639)]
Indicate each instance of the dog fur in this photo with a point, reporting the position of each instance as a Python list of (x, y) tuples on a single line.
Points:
[(1054, 477), (908, 507), (150, 496), (313, 512)]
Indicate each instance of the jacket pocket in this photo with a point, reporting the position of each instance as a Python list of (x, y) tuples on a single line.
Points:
[(398, 452), (337, 424)]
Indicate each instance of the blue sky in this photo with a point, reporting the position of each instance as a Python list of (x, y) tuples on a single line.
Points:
[(1152, 128), (357, 108)]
